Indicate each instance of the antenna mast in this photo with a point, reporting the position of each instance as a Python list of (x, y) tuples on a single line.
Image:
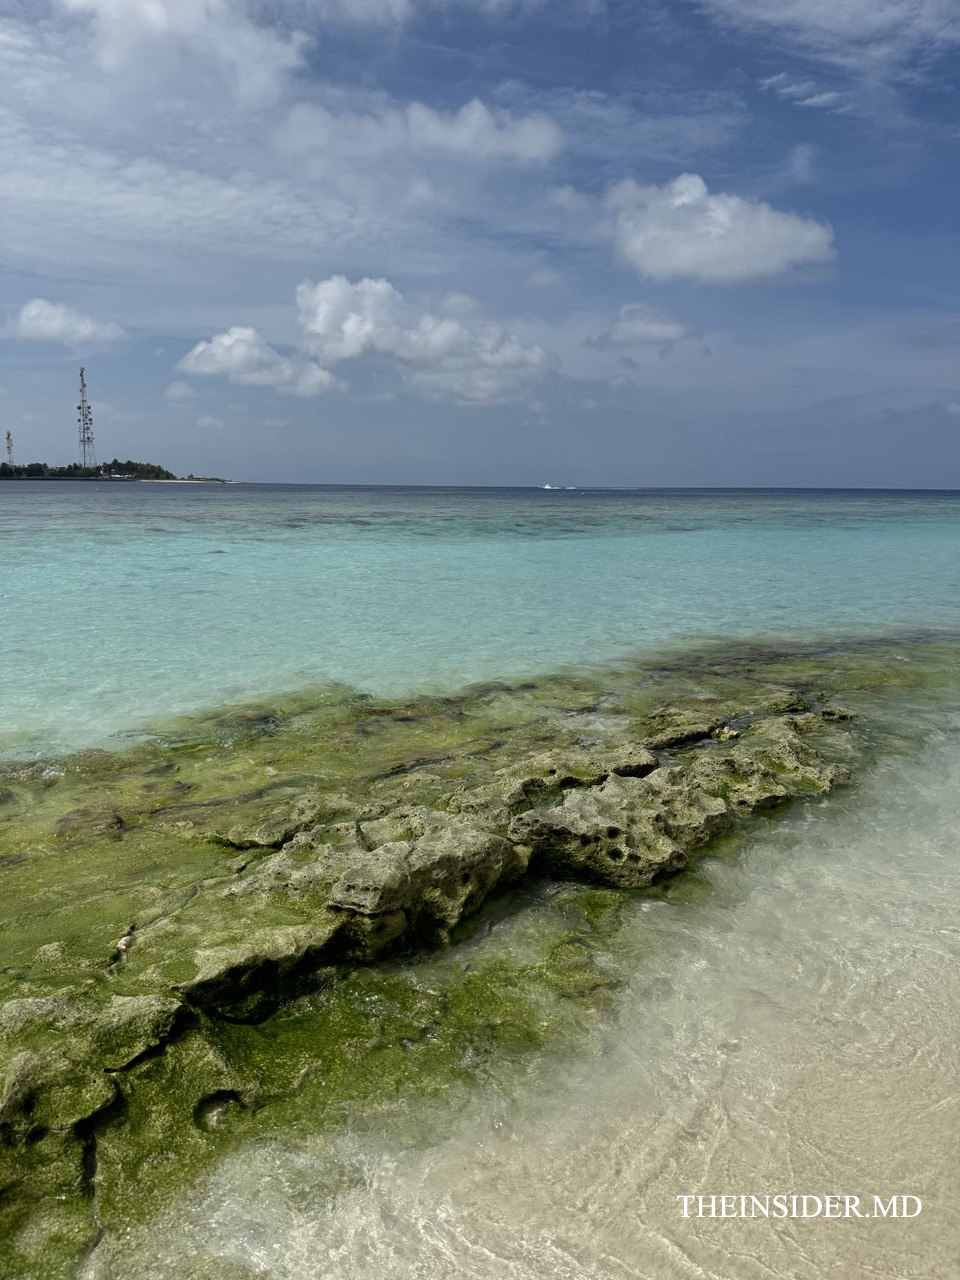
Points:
[(10, 448), (88, 456)]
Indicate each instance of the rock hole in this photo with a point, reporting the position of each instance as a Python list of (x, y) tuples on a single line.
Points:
[(211, 1110)]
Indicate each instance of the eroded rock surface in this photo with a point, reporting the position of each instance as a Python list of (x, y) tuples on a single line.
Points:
[(400, 874), (201, 886)]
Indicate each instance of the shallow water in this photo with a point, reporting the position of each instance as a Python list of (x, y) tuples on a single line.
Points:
[(786, 1019), (127, 602), (788, 1027)]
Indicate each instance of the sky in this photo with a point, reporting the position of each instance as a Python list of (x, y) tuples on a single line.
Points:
[(575, 242)]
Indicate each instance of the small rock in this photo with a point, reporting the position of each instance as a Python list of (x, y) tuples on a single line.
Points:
[(87, 822)]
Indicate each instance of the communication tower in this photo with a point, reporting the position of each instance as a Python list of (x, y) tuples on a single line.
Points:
[(10, 448), (88, 456)]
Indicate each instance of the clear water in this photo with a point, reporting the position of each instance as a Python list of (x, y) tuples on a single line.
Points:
[(791, 1029), (122, 603)]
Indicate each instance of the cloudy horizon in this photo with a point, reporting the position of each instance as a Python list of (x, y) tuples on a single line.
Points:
[(486, 241)]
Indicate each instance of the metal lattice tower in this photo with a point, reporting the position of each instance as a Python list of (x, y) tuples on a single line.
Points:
[(88, 456), (10, 448)]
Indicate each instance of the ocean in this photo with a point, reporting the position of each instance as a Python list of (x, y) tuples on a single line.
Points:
[(122, 603), (780, 1020)]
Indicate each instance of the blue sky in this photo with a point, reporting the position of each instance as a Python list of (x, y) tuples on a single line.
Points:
[(486, 241)]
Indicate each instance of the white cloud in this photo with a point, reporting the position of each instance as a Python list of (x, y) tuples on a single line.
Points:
[(681, 231), (206, 420), (805, 93), (444, 360), (341, 320), (851, 32), (801, 163), (44, 321), (245, 358), (639, 324), (475, 132), (179, 391), (439, 357), (149, 218), (953, 409), (149, 33)]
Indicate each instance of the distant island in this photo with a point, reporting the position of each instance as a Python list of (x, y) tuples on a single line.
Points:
[(115, 470)]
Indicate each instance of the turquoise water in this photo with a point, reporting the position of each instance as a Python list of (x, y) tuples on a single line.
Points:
[(786, 1022), (127, 602)]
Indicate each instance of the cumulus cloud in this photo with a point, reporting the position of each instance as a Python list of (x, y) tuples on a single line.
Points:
[(639, 324), (475, 132), (445, 360), (341, 321), (243, 356), (439, 357), (45, 321), (682, 231)]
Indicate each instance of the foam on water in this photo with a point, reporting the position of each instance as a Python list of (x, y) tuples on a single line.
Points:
[(789, 1028), (127, 602)]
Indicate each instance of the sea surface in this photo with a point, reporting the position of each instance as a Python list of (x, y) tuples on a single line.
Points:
[(121, 603), (785, 1019)]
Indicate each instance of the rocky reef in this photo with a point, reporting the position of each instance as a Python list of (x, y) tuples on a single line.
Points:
[(164, 904)]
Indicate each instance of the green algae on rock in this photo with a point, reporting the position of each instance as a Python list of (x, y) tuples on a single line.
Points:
[(163, 903)]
